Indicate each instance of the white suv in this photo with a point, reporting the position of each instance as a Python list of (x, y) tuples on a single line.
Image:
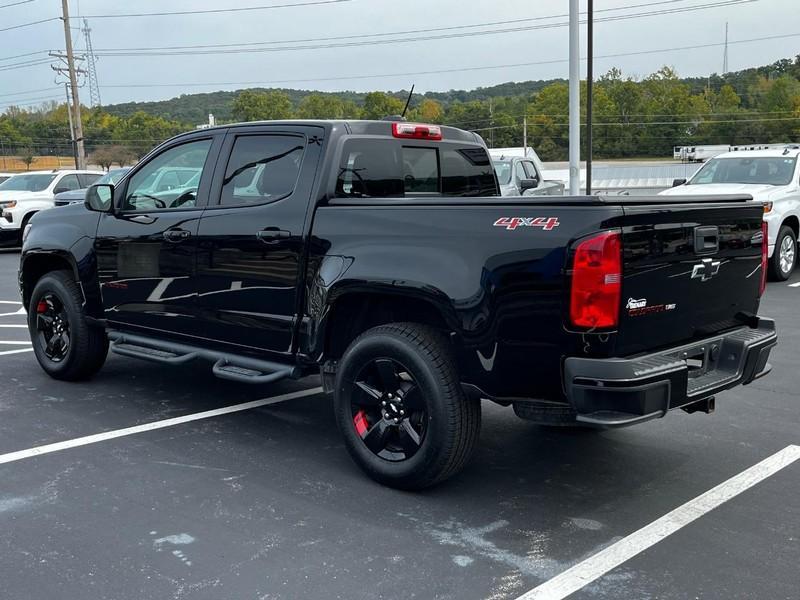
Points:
[(25, 194), (771, 177)]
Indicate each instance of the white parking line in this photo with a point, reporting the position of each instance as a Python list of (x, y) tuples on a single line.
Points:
[(14, 326), (20, 351), (19, 311), (594, 567), (118, 433), (795, 284), (16, 343), (11, 302)]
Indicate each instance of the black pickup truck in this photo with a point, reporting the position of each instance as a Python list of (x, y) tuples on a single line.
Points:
[(381, 254)]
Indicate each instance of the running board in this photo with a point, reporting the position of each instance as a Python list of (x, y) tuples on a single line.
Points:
[(243, 369)]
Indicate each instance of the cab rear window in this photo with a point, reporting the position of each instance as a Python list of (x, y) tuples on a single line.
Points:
[(380, 168)]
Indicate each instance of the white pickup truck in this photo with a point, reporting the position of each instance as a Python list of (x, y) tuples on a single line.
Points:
[(25, 194), (520, 172), (771, 177)]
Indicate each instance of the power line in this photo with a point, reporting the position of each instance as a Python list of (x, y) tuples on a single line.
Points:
[(369, 42), (442, 71), (23, 65), (373, 35), (214, 10), (21, 25), (24, 55), (15, 3), (49, 89)]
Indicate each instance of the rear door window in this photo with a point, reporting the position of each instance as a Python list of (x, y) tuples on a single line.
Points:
[(262, 168), (88, 179), (380, 168)]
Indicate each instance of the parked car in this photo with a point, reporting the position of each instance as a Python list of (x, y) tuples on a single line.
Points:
[(23, 195), (4, 176), (379, 254), (521, 173), (771, 177), (78, 196)]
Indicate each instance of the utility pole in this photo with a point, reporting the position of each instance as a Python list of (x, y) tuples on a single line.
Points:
[(71, 127), (574, 98), (73, 83), (725, 56)]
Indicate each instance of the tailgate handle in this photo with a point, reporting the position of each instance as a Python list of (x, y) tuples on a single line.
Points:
[(706, 240)]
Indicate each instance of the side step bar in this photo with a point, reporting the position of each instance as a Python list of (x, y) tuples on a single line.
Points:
[(243, 369)]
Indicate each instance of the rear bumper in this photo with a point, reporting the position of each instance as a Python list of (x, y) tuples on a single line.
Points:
[(615, 392)]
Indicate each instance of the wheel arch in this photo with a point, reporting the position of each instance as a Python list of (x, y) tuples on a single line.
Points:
[(793, 223), (353, 312), (36, 265)]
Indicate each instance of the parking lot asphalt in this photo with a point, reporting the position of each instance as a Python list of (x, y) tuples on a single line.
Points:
[(266, 504)]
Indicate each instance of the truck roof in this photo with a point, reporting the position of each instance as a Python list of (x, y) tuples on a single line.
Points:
[(355, 126), (791, 151)]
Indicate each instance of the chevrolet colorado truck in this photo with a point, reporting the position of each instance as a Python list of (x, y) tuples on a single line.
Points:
[(380, 254)]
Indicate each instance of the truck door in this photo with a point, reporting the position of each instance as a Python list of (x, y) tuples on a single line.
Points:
[(251, 236), (146, 248)]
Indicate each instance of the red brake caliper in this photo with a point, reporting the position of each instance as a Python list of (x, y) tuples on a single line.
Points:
[(42, 307), (360, 421)]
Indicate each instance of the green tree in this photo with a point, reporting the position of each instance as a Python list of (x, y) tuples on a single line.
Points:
[(320, 106), (251, 105), (378, 105)]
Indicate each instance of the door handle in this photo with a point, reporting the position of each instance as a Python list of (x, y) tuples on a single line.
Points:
[(272, 235), (177, 235)]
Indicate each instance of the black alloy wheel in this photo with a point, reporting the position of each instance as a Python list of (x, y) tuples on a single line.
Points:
[(389, 412), (52, 326)]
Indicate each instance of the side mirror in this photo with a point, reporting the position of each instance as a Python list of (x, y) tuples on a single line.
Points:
[(99, 197), (528, 184), (677, 182)]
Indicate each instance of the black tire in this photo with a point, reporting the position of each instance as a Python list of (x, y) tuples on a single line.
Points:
[(449, 420), (785, 243), (86, 347)]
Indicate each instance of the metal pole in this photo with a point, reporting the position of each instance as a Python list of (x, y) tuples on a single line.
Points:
[(73, 83), (71, 130), (589, 98), (525, 135), (574, 98)]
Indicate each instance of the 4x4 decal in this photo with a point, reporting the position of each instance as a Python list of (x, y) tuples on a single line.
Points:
[(511, 223)]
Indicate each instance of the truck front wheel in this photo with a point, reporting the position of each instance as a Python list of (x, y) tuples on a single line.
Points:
[(66, 346), (784, 258), (399, 404)]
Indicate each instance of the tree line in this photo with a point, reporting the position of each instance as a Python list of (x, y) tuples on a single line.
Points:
[(632, 117)]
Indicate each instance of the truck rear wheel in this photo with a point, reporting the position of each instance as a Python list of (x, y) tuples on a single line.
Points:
[(784, 257), (399, 404), (66, 347)]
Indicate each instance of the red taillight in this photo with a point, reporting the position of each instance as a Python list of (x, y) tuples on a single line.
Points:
[(597, 282), (415, 131), (764, 257)]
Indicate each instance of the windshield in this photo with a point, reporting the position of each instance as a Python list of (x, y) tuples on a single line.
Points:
[(503, 169), (27, 183), (752, 170), (112, 176)]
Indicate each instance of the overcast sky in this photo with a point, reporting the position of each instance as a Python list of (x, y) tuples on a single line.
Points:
[(760, 18)]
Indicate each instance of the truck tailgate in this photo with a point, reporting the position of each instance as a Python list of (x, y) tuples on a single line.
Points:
[(689, 271)]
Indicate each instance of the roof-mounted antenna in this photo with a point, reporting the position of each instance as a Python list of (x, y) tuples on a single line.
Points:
[(408, 102)]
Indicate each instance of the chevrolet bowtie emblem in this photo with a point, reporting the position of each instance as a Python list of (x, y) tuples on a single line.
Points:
[(706, 269)]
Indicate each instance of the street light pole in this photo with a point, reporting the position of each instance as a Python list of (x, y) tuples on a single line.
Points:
[(574, 98), (589, 98)]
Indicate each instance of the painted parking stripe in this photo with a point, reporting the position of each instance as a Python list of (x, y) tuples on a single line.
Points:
[(13, 326), (118, 433), (27, 343), (18, 351), (11, 302), (19, 311), (795, 284), (594, 567)]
